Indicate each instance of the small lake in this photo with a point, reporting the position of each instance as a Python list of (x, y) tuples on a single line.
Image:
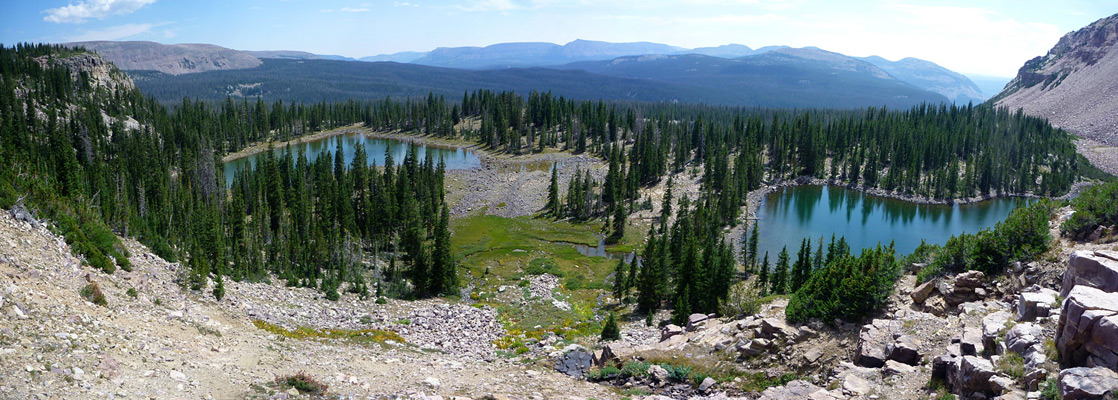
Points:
[(375, 148), (790, 214)]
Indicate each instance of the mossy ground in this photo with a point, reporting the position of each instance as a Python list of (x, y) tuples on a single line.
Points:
[(496, 251)]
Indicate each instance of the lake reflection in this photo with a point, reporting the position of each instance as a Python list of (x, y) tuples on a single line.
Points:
[(790, 214)]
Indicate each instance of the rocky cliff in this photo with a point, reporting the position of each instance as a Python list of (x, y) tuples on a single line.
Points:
[(174, 59), (1075, 85)]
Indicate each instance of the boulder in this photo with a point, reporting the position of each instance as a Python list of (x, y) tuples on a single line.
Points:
[(658, 373), (893, 367), (432, 383), (1034, 378), (922, 291), (575, 364), (668, 331), (771, 328), (855, 385), (21, 214), (972, 376), (873, 342), (1022, 337), (970, 343), (992, 326), (796, 390), (905, 349), (1087, 383), (1087, 332), (694, 320), (970, 279), (1097, 269), (813, 354), (706, 384), (1034, 304)]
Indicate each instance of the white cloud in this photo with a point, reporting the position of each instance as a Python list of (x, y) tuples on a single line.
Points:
[(112, 33), (83, 10), (404, 4), (353, 10), (490, 5)]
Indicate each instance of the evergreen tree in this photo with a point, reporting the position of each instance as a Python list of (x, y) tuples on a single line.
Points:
[(619, 280), (751, 248), (553, 205), (610, 331), (779, 284)]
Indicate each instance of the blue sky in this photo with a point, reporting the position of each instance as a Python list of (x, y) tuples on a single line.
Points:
[(981, 37)]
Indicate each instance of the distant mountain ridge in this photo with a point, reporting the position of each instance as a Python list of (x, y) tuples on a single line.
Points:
[(534, 54), (174, 59), (930, 76), (1075, 84)]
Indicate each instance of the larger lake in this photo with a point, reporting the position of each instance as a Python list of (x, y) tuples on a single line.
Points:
[(790, 214), (375, 149)]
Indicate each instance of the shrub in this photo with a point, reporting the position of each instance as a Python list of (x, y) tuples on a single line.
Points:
[(1022, 236), (1050, 390), (132, 293), (848, 287), (610, 331), (744, 299), (543, 265), (381, 300), (302, 382), (635, 368), (1094, 207), (678, 372), (92, 293)]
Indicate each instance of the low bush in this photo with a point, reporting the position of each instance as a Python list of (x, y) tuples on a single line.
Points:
[(543, 265), (744, 299), (848, 287), (92, 293), (1095, 206), (303, 382), (610, 331)]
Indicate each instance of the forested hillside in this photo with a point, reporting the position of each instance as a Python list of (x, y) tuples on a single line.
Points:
[(95, 160)]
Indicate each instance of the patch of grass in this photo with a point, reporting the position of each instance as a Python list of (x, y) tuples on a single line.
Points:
[(637, 369), (404, 321), (1012, 364), (1050, 389), (303, 382), (360, 335), (132, 293), (92, 293), (759, 381)]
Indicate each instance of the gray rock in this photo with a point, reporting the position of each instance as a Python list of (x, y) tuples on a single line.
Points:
[(796, 390), (574, 364), (1034, 304), (670, 330), (1022, 337), (707, 383), (694, 320), (972, 376), (971, 342), (1087, 333), (970, 279), (658, 373), (922, 291), (873, 343), (905, 349), (992, 326), (21, 214), (432, 383), (1000, 384), (855, 385), (893, 367), (1097, 269), (1034, 378), (1087, 383), (813, 354)]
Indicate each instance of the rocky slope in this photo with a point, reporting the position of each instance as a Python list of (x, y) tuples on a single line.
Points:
[(174, 59), (154, 339), (1075, 85)]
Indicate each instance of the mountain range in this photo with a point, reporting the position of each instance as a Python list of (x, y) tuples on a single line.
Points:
[(734, 74)]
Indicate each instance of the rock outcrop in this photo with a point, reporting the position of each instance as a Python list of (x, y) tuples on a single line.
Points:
[(1087, 383), (1087, 334), (1097, 269)]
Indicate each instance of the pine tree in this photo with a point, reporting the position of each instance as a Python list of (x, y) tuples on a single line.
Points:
[(219, 289), (619, 280), (780, 273), (751, 248), (610, 331), (801, 269), (763, 273), (553, 205), (619, 221)]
